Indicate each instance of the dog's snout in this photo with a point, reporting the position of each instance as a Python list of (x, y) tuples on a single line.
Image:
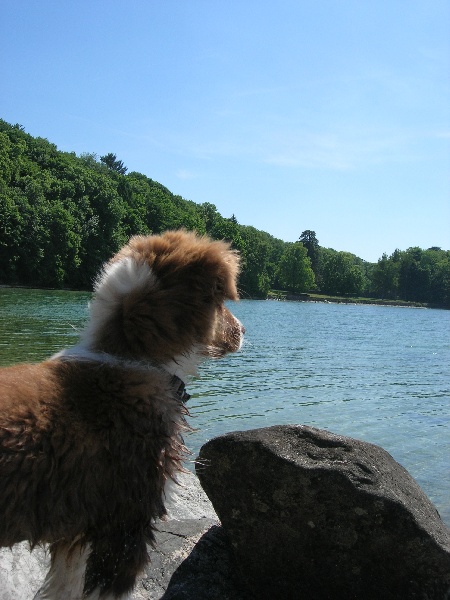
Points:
[(242, 329)]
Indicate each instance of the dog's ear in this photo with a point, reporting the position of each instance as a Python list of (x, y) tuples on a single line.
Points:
[(183, 261), (167, 291), (207, 270)]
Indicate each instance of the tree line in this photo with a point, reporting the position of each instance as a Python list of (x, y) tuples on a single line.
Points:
[(63, 215)]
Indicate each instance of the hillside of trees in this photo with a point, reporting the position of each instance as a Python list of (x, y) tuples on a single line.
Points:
[(63, 215)]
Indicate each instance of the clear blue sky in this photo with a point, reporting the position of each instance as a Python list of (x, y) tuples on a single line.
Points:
[(327, 115)]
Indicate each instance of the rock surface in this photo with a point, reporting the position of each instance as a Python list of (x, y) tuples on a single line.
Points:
[(191, 559), (208, 573), (21, 571), (314, 515)]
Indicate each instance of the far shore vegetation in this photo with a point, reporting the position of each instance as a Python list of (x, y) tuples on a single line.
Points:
[(63, 215)]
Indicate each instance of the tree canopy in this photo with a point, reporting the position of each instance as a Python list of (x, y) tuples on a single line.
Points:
[(340, 274), (311, 243), (63, 215), (110, 160), (294, 269)]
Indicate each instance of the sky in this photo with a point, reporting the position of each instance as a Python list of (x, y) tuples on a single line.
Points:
[(294, 115)]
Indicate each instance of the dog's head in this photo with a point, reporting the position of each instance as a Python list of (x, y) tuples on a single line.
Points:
[(162, 297)]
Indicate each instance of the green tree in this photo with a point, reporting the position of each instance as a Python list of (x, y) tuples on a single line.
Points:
[(209, 215), (440, 282), (340, 275), (110, 160), (309, 240), (61, 216), (385, 276), (11, 223), (294, 270), (414, 276), (225, 229), (254, 280)]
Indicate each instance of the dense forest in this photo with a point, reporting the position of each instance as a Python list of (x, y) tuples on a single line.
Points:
[(63, 215)]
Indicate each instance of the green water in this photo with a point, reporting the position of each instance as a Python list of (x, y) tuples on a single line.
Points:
[(37, 323)]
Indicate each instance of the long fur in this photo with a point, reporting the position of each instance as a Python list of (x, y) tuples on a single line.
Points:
[(89, 437)]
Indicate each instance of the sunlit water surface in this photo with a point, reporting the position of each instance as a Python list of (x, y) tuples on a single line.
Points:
[(379, 374)]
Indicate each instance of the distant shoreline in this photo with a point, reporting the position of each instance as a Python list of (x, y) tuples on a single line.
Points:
[(277, 296), (286, 296)]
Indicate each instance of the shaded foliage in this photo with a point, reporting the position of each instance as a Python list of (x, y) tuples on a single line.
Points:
[(414, 274)]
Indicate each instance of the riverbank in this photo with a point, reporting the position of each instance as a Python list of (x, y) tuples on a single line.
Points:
[(282, 295)]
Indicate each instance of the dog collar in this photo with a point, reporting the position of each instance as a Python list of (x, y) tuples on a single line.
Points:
[(180, 389)]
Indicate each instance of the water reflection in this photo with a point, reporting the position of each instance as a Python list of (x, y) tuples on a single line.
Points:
[(36, 323)]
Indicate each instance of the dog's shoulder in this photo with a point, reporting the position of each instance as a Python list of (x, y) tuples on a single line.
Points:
[(23, 386), (85, 393)]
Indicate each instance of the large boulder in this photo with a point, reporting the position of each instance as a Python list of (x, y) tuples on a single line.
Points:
[(315, 515)]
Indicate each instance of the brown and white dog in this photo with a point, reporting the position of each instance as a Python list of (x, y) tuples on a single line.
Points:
[(89, 437)]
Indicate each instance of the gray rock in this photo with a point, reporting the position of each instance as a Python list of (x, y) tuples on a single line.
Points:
[(314, 515), (21, 571), (174, 542), (208, 573)]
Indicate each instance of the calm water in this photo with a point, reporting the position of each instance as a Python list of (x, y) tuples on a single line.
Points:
[(379, 374)]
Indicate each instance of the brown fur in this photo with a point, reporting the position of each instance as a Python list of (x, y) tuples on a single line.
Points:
[(195, 276), (86, 444)]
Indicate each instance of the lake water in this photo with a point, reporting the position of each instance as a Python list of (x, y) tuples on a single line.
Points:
[(379, 374)]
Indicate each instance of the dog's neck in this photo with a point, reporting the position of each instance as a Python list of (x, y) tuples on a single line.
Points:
[(180, 368)]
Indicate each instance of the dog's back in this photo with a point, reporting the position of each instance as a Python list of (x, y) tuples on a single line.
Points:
[(70, 470), (115, 429)]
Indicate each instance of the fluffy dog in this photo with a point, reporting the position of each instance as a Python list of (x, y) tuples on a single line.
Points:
[(89, 437)]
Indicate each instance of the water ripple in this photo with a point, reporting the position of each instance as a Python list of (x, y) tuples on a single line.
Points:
[(379, 374)]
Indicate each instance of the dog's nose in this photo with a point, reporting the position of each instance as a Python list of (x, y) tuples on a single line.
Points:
[(242, 329)]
